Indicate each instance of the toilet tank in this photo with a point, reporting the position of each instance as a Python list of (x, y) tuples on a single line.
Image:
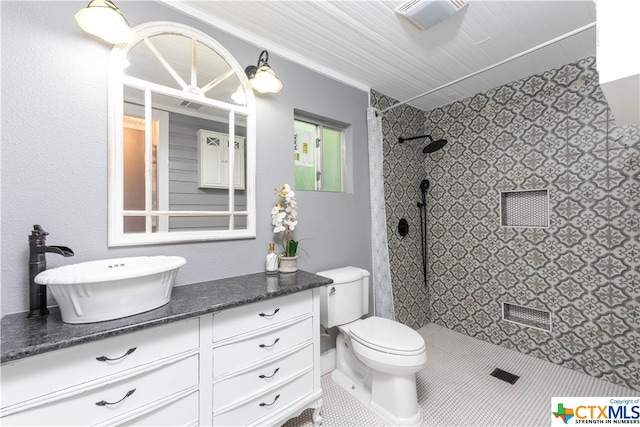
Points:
[(346, 299)]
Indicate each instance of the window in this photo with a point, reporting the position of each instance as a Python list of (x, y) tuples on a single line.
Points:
[(319, 148)]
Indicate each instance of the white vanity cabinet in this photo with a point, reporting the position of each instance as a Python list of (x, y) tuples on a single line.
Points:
[(266, 361), (253, 364), (107, 382)]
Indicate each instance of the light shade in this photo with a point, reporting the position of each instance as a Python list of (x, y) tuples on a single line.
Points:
[(261, 77), (265, 80), (103, 19)]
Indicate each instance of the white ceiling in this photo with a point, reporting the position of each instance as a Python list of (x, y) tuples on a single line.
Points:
[(364, 43)]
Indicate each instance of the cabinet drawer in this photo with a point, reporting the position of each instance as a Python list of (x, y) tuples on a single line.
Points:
[(267, 404), (58, 370), (233, 356), (261, 378), (82, 409), (182, 412), (239, 320)]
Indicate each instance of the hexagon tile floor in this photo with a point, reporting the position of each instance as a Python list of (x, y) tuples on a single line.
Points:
[(456, 388)]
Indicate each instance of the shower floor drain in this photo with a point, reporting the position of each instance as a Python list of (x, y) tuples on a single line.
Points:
[(505, 376)]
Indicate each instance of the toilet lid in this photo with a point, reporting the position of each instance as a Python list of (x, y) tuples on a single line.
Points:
[(388, 336)]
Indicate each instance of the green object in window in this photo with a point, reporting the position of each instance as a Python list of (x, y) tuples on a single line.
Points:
[(331, 159), (318, 156)]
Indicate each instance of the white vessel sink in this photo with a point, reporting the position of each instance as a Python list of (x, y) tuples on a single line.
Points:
[(96, 291)]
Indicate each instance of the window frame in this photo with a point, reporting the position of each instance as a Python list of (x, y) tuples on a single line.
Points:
[(320, 124), (232, 112)]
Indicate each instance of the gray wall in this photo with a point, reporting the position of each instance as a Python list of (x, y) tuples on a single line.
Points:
[(54, 152), (554, 131)]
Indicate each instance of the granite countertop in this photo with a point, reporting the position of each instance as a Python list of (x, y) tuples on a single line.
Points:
[(23, 337)]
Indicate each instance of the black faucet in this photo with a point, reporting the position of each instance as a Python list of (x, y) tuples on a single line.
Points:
[(38, 263)]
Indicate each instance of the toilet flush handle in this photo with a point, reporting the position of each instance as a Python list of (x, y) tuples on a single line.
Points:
[(332, 291)]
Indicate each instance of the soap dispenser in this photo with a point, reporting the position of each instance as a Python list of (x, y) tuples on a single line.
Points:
[(271, 261)]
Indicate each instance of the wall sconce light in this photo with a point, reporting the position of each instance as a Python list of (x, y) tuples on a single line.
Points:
[(103, 19), (261, 76)]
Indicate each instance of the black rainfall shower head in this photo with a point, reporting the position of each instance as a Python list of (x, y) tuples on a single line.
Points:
[(434, 145), (431, 147)]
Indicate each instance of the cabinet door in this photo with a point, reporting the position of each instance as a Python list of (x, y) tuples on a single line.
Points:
[(212, 172), (180, 412), (257, 380), (213, 160), (236, 355), (229, 324), (63, 371), (267, 404), (113, 399)]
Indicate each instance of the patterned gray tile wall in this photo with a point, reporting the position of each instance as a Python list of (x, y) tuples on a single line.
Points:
[(555, 131)]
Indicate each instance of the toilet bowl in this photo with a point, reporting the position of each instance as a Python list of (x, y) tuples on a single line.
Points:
[(376, 358), (387, 346)]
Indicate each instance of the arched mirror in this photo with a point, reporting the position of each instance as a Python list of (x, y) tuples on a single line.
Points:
[(181, 140)]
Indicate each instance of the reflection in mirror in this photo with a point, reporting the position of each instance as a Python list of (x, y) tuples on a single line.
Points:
[(165, 59), (182, 145)]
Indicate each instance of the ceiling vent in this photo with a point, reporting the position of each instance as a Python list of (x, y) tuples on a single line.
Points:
[(427, 13)]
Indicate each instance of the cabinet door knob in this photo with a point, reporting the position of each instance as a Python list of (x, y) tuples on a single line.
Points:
[(269, 346), (269, 376), (105, 403), (269, 315), (269, 404), (106, 359)]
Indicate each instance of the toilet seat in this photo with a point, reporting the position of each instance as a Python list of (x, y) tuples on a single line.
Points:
[(387, 336)]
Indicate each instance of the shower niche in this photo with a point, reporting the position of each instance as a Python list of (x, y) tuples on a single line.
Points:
[(527, 316), (524, 208)]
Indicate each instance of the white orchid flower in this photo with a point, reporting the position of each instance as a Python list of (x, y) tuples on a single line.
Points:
[(291, 224), (284, 217)]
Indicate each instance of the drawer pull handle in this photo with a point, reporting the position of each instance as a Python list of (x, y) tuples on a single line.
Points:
[(269, 346), (269, 404), (269, 315), (105, 403), (269, 376), (105, 358)]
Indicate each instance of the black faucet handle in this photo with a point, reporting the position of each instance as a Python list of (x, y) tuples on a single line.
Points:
[(38, 231), (37, 236)]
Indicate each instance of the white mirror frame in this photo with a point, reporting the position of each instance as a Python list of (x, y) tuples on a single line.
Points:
[(116, 235)]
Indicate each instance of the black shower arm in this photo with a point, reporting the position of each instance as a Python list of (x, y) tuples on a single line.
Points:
[(401, 139)]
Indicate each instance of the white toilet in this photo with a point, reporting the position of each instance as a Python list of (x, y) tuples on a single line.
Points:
[(376, 358)]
